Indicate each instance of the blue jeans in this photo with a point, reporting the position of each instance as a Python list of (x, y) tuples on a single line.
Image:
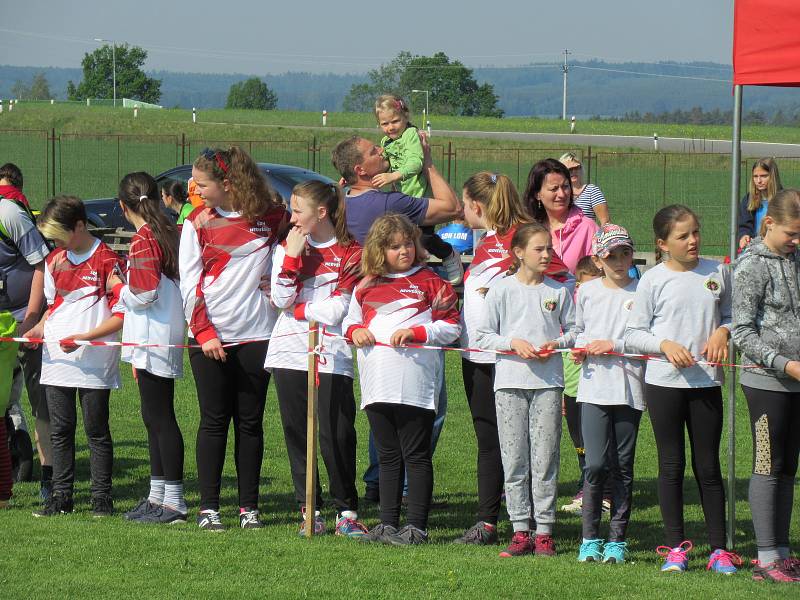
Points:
[(371, 474)]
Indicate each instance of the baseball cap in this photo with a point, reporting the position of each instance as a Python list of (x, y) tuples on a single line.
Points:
[(608, 237), (569, 160)]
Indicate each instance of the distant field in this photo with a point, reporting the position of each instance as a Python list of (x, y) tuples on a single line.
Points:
[(96, 146)]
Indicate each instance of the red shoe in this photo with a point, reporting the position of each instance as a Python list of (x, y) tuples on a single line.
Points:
[(544, 545), (521, 544), (773, 572)]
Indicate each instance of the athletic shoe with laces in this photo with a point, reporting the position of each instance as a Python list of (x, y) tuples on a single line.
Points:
[(351, 528), (544, 545), (406, 536), (377, 533), (319, 524), (676, 560), (774, 572), (521, 544), (591, 551), (792, 566), (248, 518), (58, 504), (209, 520), (453, 268), (724, 562), (614, 552), (480, 534), (102, 506), (162, 514), (141, 509), (575, 506)]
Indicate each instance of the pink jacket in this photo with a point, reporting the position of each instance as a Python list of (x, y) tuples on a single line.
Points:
[(574, 241)]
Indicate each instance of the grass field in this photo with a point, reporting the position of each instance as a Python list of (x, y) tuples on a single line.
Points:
[(77, 556), (96, 146)]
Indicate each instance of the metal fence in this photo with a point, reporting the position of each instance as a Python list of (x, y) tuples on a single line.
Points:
[(636, 184)]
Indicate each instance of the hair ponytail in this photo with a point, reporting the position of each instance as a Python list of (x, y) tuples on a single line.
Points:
[(331, 196), (782, 209), (502, 207), (139, 193)]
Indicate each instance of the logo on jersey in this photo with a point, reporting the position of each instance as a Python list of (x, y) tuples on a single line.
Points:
[(628, 304), (90, 276), (550, 304), (261, 227), (712, 285), (412, 289)]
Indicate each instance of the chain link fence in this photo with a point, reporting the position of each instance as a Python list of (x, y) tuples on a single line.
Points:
[(636, 184)]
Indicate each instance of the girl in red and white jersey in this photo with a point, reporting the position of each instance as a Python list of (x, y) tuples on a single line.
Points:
[(154, 315), (399, 302), (225, 262), (314, 273), (82, 283)]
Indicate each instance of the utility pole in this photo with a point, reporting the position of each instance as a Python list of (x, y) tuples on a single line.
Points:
[(566, 70)]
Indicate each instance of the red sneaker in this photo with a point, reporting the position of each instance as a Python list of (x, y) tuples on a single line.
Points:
[(544, 545), (521, 544)]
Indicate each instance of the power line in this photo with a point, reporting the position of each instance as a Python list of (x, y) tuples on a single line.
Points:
[(649, 74)]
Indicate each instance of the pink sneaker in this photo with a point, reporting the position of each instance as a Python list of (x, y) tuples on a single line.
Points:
[(676, 559), (774, 572)]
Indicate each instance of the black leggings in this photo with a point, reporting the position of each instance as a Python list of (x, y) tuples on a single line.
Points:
[(572, 413), (337, 433), (402, 437), (672, 410), (164, 439), (235, 389), (479, 388)]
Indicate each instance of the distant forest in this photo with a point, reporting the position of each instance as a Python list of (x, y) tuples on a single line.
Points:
[(595, 89)]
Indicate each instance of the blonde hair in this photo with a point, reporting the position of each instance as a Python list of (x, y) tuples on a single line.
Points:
[(502, 207), (395, 104), (773, 184), (60, 216), (331, 196), (251, 193), (379, 238), (784, 207), (521, 238)]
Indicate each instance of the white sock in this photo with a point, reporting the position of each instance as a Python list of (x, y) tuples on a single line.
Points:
[(156, 491), (173, 496)]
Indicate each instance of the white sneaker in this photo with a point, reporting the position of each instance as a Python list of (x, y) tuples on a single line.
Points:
[(454, 269)]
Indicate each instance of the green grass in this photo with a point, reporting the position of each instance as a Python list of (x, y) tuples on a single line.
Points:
[(97, 146), (78, 556)]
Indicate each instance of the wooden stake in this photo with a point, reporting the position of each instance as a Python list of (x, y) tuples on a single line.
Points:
[(311, 429)]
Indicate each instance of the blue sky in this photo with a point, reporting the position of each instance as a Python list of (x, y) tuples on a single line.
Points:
[(345, 36)]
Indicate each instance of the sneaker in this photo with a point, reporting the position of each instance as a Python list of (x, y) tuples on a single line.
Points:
[(575, 506), (480, 534), (722, 561), (348, 527), (774, 572), (319, 524), (162, 514), (248, 518), (141, 509), (544, 545), (591, 551), (614, 552), (521, 544), (453, 268), (406, 536), (102, 506), (377, 533), (676, 559), (209, 519), (58, 504), (792, 566)]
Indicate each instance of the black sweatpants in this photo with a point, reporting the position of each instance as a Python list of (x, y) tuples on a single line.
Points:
[(402, 436), (775, 426), (336, 407), (64, 421), (235, 389), (479, 388), (572, 413), (698, 410), (164, 439), (609, 433)]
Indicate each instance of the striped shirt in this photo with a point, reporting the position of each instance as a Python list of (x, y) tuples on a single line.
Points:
[(590, 197)]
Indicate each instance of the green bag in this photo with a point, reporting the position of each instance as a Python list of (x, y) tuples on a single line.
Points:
[(8, 357)]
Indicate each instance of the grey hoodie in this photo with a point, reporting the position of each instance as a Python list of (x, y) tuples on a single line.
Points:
[(766, 316)]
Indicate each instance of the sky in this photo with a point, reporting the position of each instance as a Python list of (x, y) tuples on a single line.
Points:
[(342, 36)]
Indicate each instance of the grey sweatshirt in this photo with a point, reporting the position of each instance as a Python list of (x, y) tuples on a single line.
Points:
[(685, 307), (766, 316), (536, 313)]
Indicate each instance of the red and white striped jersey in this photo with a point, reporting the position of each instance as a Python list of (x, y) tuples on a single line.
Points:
[(153, 309), (80, 295), (314, 286), (418, 300), (225, 264)]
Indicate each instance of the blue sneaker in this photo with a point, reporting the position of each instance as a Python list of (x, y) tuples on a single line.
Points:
[(591, 551), (676, 559), (722, 561), (614, 552)]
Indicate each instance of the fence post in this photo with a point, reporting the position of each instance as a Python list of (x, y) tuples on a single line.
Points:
[(449, 159), (314, 153), (183, 148), (664, 191), (119, 164), (589, 164), (53, 158)]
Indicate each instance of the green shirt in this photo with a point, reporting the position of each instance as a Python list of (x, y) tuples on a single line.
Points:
[(187, 208), (405, 157)]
